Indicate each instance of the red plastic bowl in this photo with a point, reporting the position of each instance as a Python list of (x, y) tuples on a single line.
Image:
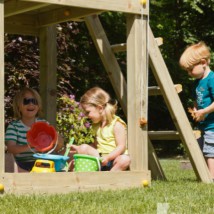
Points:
[(42, 137)]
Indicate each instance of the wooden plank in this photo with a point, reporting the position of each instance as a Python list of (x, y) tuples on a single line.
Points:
[(164, 135), (64, 14), (155, 90), (48, 70), (154, 164), (21, 29), (169, 135), (118, 47), (2, 121), (13, 7), (127, 6), (22, 19), (122, 47), (21, 24), (65, 182), (159, 41), (137, 93), (108, 58), (178, 114)]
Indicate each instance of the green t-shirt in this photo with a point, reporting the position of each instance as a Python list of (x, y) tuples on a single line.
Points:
[(16, 131)]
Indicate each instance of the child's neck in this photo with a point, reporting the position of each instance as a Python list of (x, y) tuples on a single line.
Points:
[(28, 121), (206, 72)]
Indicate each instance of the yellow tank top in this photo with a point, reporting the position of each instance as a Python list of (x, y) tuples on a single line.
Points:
[(105, 136)]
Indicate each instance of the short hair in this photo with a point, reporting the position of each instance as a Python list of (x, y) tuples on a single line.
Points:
[(98, 97), (18, 101), (194, 54)]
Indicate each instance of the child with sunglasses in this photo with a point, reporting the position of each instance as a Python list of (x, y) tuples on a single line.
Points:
[(110, 131), (195, 60), (27, 107)]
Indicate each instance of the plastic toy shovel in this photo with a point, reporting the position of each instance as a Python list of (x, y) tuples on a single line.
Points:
[(68, 148)]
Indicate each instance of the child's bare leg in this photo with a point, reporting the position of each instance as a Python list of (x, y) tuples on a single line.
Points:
[(87, 149), (210, 164), (121, 163), (20, 170)]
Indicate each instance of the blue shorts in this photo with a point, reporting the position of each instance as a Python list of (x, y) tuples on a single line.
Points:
[(206, 143), (108, 166)]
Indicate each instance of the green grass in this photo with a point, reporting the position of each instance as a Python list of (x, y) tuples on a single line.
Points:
[(181, 193)]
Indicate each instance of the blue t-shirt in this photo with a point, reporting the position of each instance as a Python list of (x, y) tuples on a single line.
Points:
[(204, 96)]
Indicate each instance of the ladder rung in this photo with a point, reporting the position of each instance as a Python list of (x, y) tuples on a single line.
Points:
[(155, 90), (169, 135), (122, 47), (163, 135)]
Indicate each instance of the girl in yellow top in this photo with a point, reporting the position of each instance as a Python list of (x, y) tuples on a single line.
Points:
[(111, 133)]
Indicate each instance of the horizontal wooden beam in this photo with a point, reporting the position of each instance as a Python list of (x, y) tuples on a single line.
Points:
[(63, 15), (29, 24), (169, 135), (21, 30), (118, 47), (16, 7), (31, 183), (21, 24), (163, 135), (122, 47), (155, 90), (126, 6)]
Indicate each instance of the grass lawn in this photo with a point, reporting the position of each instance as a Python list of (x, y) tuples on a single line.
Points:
[(180, 194)]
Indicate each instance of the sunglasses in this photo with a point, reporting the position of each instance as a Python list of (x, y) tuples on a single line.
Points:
[(27, 101)]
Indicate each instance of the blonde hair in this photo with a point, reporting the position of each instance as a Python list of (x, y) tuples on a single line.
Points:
[(194, 54), (98, 97), (18, 101)]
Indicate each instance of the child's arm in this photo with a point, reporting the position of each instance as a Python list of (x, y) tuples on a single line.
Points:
[(60, 143), (201, 113), (13, 148), (120, 134)]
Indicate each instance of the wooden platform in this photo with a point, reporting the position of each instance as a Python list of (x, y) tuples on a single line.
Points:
[(65, 182)]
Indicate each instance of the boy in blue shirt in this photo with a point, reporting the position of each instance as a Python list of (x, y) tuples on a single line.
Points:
[(195, 60)]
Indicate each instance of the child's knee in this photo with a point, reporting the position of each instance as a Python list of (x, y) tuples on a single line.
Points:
[(124, 161), (83, 149)]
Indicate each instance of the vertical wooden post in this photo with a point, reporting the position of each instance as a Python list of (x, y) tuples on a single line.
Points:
[(48, 69), (137, 95), (2, 144)]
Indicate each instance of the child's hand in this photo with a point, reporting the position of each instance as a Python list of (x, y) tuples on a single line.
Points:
[(199, 115), (105, 160), (73, 149), (192, 112)]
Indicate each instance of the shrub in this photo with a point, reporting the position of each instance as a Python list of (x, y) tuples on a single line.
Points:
[(72, 122)]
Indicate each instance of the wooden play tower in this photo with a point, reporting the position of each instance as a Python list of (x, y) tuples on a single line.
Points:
[(39, 18)]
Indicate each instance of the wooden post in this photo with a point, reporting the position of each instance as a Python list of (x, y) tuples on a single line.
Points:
[(137, 90), (178, 114), (157, 172), (2, 144), (48, 69)]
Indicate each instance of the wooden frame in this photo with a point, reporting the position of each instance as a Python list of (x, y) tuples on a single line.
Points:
[(2, 149), (37, 17)]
